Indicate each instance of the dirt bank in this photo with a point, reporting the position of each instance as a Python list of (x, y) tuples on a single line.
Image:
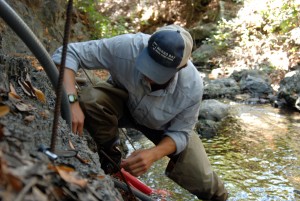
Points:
[(25, 124)]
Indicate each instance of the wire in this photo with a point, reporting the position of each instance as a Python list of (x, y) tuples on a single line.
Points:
[(61, 76), (119, 169)]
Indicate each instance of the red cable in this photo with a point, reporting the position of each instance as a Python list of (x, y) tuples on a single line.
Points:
[(135, 182)]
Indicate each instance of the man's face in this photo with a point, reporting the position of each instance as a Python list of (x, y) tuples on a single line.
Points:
[(149, 80)]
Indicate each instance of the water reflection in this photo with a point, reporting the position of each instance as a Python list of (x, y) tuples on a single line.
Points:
[(256, 153)]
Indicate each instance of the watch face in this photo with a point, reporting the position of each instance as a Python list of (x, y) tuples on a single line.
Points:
[(72, 98)]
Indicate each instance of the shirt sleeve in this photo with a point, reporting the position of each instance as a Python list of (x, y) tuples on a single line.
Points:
[(94, 54), (182, 126)]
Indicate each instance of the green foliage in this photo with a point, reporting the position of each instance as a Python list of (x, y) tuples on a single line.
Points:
[(221, 38), (276, 16), (101, 25), (238, 1), (260, 34), (280, 16)]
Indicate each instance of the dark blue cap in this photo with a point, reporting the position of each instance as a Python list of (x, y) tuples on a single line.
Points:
[(168, 49)]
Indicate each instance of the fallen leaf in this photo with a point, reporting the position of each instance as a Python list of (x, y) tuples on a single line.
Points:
[(30, 90), (27, 86), (27, 90), (61, 167), (45, 114), (14, 182), (13, 92), (7, 177), (29, 118), (71, 145), (35, 63), (40, 95), (84, 161), (39, 68), (28, 82), (4, 109), (13, 96), (71, 177), (23, 107)]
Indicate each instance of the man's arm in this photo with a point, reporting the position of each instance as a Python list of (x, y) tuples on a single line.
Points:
[(83, 54), (76, 112), (141, 160)]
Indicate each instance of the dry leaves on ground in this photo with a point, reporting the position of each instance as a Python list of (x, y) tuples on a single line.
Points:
[(30, 90), (27, 177), (4, 109)]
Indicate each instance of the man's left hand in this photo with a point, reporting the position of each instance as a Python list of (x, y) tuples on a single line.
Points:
[(141, 160), (138, 162)]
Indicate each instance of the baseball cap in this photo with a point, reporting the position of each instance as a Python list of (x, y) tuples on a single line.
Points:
[(169, 49)]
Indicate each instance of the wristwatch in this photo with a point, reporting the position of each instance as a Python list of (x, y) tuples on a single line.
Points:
[(72, 98)]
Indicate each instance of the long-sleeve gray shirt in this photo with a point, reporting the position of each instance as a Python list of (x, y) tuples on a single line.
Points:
[(174, 109)]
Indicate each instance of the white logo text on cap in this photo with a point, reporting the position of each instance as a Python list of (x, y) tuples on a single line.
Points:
[(162, 53)]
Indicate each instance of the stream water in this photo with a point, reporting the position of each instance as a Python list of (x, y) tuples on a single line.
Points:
[(257, 155)]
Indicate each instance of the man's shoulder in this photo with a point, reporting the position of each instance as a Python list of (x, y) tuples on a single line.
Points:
[(190, 81), (190, 75), (128, 45), (130, 39)]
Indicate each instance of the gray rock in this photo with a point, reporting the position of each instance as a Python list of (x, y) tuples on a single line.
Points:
[(203, 54), (221, 88), (257, 86), (203, 31), (242, 74), (207, 128), (213, 110), (289, 90), (255, 82), (210, 117)]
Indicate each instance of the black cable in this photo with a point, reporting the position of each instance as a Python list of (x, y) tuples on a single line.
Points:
[(119, 169)]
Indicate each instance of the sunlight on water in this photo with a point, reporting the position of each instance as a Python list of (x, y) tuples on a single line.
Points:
[(256, 156)]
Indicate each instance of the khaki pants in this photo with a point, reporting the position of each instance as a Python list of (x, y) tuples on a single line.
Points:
[(105, 111)]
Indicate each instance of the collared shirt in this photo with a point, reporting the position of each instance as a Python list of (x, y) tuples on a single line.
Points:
[(173, 109)]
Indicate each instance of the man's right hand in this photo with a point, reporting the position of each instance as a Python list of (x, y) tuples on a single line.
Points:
[(77, 118)]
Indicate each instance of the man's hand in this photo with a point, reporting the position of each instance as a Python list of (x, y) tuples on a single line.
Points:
[(77, 118), (138, 162), (141, 160)]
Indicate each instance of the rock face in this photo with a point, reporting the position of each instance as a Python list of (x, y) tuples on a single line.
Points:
[(46, 19)]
